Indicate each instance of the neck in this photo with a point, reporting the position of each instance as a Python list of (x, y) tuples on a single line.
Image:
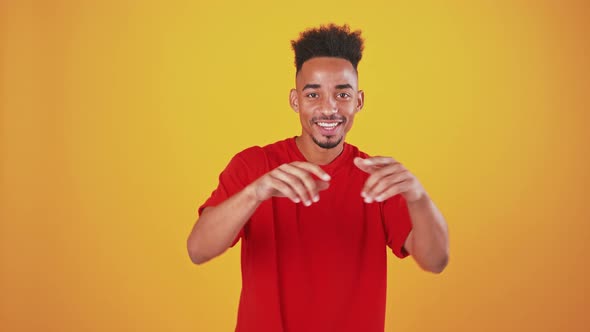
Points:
[(315, 154)]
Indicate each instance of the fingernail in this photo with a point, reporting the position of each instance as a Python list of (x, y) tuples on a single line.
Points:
[(316, 198), (379, 198), (363, 194), (368, 200), (296, 200), (326, 177), (367, 161), (307, 203)]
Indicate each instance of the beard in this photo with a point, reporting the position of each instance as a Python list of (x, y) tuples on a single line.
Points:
[(329, 143)]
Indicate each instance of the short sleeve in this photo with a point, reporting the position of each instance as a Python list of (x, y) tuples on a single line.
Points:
[(236, 176), (397, 223)]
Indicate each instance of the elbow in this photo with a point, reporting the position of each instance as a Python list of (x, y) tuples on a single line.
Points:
[(434, 262), (438, 264), (197, 259), (196, 255)]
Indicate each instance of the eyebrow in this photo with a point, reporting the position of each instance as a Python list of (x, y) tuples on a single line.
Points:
[(317, 86), (311, 86)]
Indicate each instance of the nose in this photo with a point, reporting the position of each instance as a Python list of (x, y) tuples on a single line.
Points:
[(329, 106)]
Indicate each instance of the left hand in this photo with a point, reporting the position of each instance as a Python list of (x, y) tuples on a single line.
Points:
[(387, 179)]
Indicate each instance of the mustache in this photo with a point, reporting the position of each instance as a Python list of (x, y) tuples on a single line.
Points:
[(333, 117)]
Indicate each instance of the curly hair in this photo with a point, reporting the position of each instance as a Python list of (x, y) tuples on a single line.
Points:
[(331, 41)]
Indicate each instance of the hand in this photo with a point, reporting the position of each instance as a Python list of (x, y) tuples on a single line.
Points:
[(387, 179), (294, 181)]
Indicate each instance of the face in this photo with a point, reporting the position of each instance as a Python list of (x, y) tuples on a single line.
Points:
[(327, 98)]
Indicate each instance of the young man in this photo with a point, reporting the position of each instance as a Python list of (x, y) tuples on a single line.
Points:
[(314, 213)]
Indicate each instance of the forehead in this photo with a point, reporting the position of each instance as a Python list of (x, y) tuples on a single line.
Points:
[(327, 71)]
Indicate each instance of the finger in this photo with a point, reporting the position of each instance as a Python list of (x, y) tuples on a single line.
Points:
[(387, 182), (312, 168), (360, 163), (393, 190), (372, 164), (322, 185), (294, 183), (284, 189), (379, 174), (304, 176), (378, 161)]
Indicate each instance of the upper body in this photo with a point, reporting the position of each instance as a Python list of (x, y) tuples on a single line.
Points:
[(317, 194), (313, 268)]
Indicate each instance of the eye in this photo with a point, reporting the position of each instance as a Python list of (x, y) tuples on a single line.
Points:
[(312, 95), (343, 95)]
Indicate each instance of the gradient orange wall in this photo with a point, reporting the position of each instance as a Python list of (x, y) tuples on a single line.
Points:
[(116, 119)]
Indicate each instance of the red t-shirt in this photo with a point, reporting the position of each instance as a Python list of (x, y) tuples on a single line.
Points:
[(317, 268)]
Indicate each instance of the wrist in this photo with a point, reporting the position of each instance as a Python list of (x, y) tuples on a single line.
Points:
[(422, 200), (251, 195)]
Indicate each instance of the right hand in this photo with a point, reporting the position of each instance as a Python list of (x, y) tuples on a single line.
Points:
[(293, 180)]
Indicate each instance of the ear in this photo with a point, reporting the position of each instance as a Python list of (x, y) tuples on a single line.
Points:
[(360, 100), (293, 100)]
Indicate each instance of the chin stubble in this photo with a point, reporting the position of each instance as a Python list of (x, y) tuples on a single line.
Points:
[(328, 144)]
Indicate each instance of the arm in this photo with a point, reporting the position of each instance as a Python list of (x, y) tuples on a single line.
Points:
[(218, 226), (428, 242)]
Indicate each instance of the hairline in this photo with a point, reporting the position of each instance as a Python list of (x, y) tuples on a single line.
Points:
[(297, 70)]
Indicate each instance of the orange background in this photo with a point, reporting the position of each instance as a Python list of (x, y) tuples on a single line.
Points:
[(117, 117)]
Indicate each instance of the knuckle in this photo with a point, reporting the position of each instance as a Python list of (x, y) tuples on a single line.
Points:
[(298, 187), (379, 176), (290, 177), (389, 180), (306, 177), (276, 182)]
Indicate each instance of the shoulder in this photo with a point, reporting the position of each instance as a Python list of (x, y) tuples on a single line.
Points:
[(258, 153), (256, 159), (356, 152), (250, 162), (251, 154)]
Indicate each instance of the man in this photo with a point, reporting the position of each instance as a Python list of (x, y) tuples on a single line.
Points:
[(314, 213)]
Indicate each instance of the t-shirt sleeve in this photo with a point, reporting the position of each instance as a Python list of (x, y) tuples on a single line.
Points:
[(235, 177), (397, 223)]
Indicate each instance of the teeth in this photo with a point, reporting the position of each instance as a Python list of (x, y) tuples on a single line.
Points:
[(328, 125)]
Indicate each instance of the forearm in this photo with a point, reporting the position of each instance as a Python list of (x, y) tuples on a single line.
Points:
[(430, 238), (218, 226)]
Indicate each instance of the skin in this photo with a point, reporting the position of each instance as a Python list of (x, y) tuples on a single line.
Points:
[(326, 91), (325, 88)]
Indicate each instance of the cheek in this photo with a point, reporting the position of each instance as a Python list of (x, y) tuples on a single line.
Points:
[(309, 107), (348, 107), (348, 124), (305, 117), (349, 112)]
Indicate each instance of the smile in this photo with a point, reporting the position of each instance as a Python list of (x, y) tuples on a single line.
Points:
[(328, 125), (328, 128)]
